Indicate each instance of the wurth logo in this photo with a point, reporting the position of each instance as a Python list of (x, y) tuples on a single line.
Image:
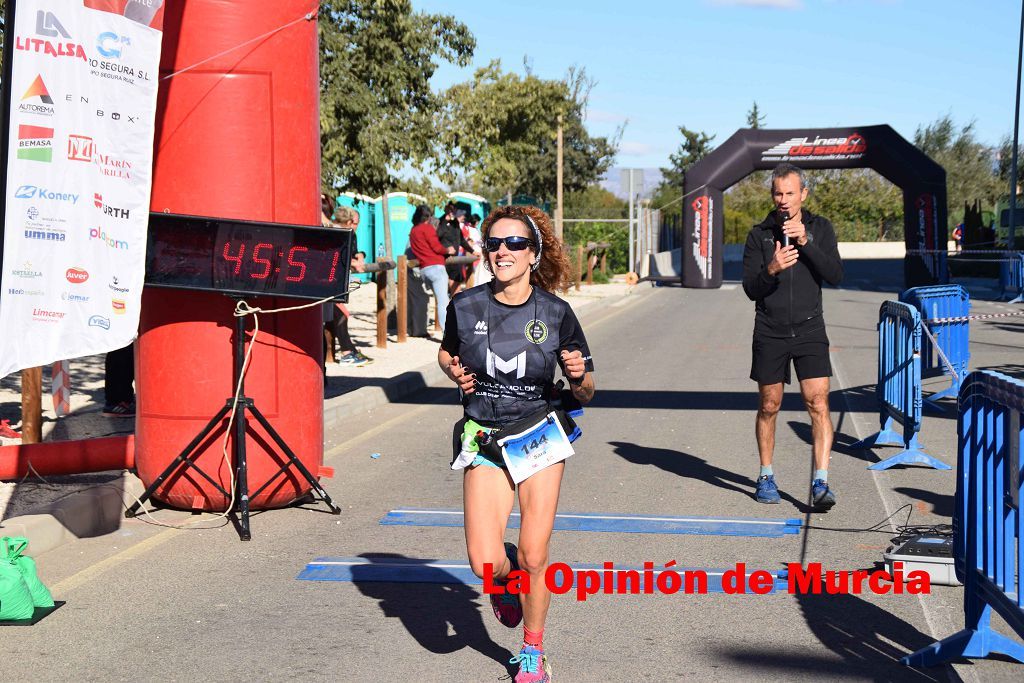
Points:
[(108, 209), (496, 364), (481, 327)]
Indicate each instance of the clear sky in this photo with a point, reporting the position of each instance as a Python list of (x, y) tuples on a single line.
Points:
[(808, 63)]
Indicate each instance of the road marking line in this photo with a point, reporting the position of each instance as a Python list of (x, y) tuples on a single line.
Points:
[(637, 518), (89, 573)]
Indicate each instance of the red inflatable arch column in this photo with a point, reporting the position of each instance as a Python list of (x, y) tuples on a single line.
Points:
[(237, 137)]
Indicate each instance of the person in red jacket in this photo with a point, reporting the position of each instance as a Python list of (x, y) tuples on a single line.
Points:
[(427, 249)]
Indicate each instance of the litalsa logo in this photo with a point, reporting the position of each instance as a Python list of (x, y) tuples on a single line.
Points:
[(110, 241), (49, 26), (36, 99), (36, 192), (76, 275), (850, 147), (107, 209)]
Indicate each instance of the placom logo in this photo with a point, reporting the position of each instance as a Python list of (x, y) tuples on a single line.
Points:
[(99, 321), (36, 192), (112, 211), (35, 143), (109, 240), (496, 364), (49, 26), (80, 148), (36, 99), (76, 275)]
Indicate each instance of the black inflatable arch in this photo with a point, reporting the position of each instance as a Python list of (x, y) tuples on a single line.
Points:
[(877, 147)]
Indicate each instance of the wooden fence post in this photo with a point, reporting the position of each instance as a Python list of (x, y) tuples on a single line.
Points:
[(579, 265), (382, 306), (32, 405), (401, 314)]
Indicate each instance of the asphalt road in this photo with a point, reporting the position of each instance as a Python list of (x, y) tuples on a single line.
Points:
[(669, 433)]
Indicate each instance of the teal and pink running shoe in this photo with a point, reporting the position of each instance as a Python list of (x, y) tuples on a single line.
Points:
[(533, 666), (506, 606)]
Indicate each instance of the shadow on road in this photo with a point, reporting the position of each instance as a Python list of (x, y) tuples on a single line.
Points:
[(867, 640), (942, 505), (441, 614), (692, 467)]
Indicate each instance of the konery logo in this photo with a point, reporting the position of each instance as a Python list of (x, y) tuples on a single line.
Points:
[(37, 192)]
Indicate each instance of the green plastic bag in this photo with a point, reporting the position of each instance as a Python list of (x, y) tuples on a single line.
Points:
[(15, 597), (13, 548)]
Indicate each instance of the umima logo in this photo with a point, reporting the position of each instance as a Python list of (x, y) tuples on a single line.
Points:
[(46, 235)]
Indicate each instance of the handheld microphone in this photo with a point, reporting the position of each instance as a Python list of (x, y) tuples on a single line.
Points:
[(785, 237)]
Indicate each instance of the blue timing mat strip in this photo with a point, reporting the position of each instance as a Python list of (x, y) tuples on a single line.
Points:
[(413, 570), (622, 523)]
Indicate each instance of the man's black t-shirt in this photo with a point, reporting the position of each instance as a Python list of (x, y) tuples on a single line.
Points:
[(512, 349)]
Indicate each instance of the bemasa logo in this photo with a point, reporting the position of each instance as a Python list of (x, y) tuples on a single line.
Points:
[(49, 26), (36, 192), (107, 209), (80, 148), (76, 275), (36, 99), (35, 143), (112, 45)]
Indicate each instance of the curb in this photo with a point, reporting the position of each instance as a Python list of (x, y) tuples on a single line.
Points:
[(100, 510)]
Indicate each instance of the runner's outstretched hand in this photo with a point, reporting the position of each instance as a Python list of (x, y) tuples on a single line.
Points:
[(459, 375), (575, 366)]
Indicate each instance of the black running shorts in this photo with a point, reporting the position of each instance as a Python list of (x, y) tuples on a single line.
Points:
[(771, 357)]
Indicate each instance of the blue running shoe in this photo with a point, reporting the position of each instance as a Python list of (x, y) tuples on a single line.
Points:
[(533, 666), (822, 497), (767, 490), (506, 606)]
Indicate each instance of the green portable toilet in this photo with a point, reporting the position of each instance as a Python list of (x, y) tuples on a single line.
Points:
[(527, 200), (364, 233), (401, 206), (470, 203)]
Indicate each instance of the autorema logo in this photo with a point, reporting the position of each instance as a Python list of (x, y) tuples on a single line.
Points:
[(36, 99), (37, 192), (111, 45)]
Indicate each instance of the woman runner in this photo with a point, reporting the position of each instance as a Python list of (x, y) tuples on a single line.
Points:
[(502, 343)]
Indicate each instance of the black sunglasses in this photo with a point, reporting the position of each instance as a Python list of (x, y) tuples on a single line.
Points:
[(513, 243)]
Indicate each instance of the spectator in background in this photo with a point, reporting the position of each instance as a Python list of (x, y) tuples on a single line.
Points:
[(427, 248), (480, 273), (449, 232), (326, 209), (118, 379)]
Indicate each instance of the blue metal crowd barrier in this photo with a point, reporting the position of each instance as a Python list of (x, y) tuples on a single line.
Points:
[(899, 386), (944, 309), (1011, 277), (987, 520)]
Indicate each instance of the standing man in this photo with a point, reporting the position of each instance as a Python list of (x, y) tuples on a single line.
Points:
[(784, 262)]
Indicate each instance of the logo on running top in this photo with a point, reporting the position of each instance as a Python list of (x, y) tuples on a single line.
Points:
[(536, 331), (481, 327), (496, 364)]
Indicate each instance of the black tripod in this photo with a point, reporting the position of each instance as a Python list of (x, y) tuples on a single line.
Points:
[(185, 459)]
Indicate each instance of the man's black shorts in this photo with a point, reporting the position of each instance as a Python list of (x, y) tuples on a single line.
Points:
[(771, 356)]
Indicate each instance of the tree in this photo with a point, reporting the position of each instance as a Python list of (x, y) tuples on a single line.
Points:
[(377, 110), (755, 119), (695, 146), (969, 164), (500, 128)]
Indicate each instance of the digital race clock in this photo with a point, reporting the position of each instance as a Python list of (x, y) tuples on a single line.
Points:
[(243, 257)]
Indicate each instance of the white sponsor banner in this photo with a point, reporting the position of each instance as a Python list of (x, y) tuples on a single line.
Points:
[(83, 104)]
